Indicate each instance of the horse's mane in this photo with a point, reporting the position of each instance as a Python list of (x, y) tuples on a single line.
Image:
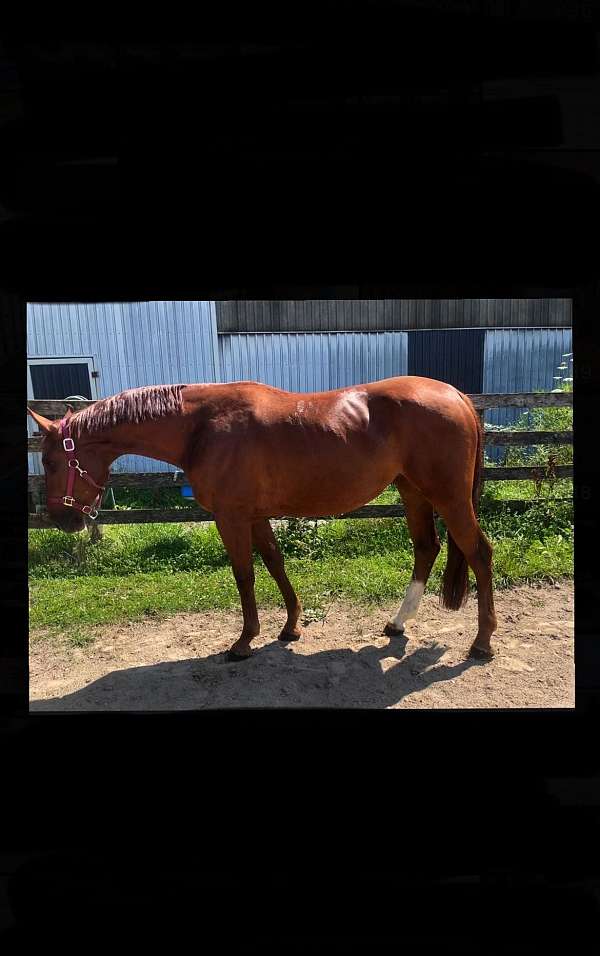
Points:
[(132, 406)]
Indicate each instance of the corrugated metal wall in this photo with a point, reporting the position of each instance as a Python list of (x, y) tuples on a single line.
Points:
[(313, 362), (141, 343), (369, 315), (520, 360)]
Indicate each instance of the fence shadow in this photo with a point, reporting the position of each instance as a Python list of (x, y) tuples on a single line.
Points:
[(274, 677)]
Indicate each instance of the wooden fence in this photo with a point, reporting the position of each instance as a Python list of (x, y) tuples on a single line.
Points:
[(56, 409)]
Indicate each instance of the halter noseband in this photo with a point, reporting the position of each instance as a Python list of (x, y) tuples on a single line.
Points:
[(73, 465)]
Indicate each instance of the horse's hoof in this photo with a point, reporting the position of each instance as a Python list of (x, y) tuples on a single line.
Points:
[(288, 636), (392, 631), (479, 653), (232, 656)]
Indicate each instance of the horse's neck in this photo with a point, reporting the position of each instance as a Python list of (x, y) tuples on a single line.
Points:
[(156, 438)]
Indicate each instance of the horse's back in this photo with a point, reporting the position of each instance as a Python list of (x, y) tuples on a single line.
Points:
[(407, 386)]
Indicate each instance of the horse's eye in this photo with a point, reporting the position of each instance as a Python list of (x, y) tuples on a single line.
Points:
[(49, 466)]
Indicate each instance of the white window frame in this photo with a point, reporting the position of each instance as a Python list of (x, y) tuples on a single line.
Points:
[(72, 360)]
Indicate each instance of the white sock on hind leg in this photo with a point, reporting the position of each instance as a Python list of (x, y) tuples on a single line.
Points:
[(410, 604)]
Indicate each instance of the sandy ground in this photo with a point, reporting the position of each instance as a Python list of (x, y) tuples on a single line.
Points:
[(344, 661)]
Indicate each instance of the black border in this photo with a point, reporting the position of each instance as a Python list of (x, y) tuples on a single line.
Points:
[(405, 795)]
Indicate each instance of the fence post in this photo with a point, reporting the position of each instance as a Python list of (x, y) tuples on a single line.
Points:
[(481, 413)]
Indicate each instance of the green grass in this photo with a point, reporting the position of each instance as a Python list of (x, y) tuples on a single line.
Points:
[(504, 490), (103, 599), (137, 571)]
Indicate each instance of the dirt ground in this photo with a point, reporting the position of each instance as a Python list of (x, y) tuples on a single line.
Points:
[(343, 661)]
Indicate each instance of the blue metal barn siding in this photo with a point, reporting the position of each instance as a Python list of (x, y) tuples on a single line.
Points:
[(313, 361), (132, 344), (520, 360)]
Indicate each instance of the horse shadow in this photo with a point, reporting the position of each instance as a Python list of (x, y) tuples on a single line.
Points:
[(274, 677)]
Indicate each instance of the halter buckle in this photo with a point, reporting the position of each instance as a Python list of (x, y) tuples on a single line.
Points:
[(70, 446), (69, 501), (90, 510)]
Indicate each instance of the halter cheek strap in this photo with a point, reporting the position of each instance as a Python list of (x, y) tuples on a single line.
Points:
[(73, 466)]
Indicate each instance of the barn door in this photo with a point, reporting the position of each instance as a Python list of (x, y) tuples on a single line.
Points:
[(450, 355)]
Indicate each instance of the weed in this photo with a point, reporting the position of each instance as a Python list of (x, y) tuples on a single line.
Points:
[(80, 637)]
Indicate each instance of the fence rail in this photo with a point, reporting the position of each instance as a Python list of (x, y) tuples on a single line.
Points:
[(56, 409), (181, 515)]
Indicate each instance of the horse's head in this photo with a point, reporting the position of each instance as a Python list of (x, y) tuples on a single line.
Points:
[(74, 471)]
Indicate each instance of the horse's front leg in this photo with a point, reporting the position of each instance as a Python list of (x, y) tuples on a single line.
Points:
[(236, 535), (266, 543)]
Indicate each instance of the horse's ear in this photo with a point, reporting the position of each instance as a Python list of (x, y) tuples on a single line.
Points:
[(44, 424)]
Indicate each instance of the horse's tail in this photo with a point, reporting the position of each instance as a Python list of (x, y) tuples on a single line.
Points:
[(455, 582), (478, 471)]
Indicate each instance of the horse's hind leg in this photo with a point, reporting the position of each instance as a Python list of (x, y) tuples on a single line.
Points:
[(462, 524), (419, 517), (265, 542)]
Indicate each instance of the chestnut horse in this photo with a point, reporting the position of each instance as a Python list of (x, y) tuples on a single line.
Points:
[(253, 452)]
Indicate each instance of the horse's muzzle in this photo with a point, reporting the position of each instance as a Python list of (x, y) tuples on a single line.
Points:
[(69, 521)]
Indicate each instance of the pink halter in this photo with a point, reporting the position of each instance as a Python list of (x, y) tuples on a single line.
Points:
[(73, 465)]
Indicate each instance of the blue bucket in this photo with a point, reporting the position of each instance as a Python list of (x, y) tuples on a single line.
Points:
[(186, 491)]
